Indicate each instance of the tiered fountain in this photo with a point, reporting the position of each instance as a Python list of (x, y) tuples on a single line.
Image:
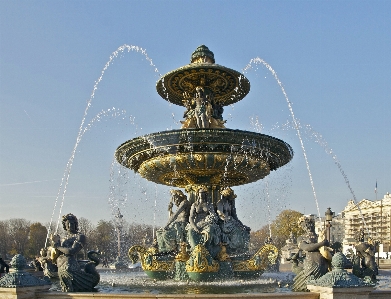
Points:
[(205, 159)]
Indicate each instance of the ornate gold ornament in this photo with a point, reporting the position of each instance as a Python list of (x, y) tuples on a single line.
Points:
[(223, 256), (266, 255), (182, 256), (148, 259), (198, 261), (228, 192)]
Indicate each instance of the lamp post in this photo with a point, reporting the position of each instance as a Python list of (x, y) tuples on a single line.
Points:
[(329, 217), (119, 263), (118, 228)]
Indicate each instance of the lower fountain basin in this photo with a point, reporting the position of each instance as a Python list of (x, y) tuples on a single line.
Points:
[(204, 156), (121, 283)]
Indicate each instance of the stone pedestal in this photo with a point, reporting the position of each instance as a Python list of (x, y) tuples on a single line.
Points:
[(22, 292), (20, 284), (341, 293)]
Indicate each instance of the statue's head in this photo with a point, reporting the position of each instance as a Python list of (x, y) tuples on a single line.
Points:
[(177, 196), (199, 92), (307, 223), (228, 193), (43, 251), (202, 192), (70, 223)]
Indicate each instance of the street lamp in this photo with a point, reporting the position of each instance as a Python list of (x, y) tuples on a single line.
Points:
[(329, 217), (118, 228)]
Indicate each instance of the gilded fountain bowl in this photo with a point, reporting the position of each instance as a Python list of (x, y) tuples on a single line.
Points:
[(227, 85), (221, 157)]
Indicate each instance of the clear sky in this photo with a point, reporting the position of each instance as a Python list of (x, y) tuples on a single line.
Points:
[(332, 57)]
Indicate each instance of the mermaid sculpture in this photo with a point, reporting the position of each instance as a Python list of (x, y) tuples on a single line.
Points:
[(315, 264), (72, 277), (235, 235)]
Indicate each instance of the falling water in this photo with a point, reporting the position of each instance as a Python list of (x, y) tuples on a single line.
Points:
[(320, 140), (65, 179), (269, 220), (296, 125), (119, 177), (112, 112), (154, 214), (258, 128)]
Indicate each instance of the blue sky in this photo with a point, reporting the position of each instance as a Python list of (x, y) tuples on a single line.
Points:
[(332, 57)]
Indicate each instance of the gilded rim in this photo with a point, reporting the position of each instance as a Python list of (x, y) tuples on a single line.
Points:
[(213, 156)]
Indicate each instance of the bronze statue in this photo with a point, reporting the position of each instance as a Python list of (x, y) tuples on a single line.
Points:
[(4, 268), (364, 263), (235, 235), (202, 111), (203, 228), (315, 264), (72, 277), (173, 233), (201, 104)]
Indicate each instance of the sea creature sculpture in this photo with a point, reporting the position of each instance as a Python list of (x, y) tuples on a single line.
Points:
[(49, 267), (364, 263)]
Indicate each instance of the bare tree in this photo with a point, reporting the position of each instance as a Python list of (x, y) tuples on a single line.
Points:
[(86, 228), (103, 238), (19, 230), (6, 241), (37, 238)]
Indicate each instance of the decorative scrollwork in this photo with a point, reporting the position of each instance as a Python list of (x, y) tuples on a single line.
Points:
[(148, 259), (265, 256), (227, 85)]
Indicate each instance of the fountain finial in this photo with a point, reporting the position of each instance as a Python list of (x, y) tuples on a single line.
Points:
[(202, 55)]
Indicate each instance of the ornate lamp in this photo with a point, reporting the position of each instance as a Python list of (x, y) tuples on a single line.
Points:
[(329, 217)]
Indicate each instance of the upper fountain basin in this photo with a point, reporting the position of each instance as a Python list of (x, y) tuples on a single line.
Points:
[(227, 85)]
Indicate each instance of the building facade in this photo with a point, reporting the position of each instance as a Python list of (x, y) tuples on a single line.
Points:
[(373, 217)]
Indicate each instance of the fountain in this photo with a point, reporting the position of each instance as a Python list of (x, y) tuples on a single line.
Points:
[(206, 159), (203, 239)]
